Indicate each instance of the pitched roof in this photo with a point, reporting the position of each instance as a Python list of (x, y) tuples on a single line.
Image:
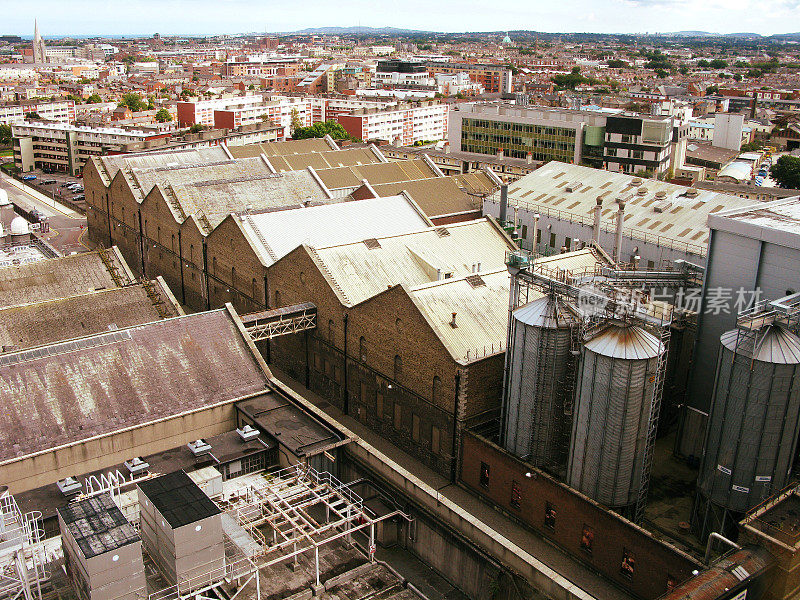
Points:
[(388, 172), (62, 277), (273, 234), (436, 196), (360, 270), (69, 391), (49, 321), (325, 160), (108, 166)]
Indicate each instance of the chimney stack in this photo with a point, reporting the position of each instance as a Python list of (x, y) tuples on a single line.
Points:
[(620, 219), (597, 214), (453, 322), (503, 201)]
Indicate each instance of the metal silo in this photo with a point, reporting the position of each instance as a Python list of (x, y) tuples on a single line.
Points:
[(613, 405), (753, 425), (540, 378)]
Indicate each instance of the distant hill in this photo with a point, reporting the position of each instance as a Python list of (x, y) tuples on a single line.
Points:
[(359, 30)]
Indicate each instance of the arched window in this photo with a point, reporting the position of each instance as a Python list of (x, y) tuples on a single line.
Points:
[(437, 389), (362, 349), (398, 367)]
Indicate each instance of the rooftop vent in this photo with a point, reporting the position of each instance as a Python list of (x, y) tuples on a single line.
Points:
[(248, 433), (691, 193), (661, 194), (199, 447), (573, 187), (642, 191), (662, 206), (636, 181), (442, 231), (69, 486), (137, 465), (372, 243)]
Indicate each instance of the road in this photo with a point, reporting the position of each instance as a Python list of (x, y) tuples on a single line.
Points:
[(67, 227)]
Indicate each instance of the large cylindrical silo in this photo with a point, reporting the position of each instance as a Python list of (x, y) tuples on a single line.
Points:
[(536, 427), (753, 425), (613, 404)]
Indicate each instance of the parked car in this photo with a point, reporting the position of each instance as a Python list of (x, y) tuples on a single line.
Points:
[(48, 181), (28, 177), (79, 197)]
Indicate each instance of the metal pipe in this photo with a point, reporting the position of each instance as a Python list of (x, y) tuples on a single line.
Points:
[(536, 232), (618, 241), (503, 202), (716, 536), (597, 213)]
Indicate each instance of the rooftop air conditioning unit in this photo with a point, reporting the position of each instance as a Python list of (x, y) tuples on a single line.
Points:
[(199, 447), (137, 465), (70, 486), (248, 433)]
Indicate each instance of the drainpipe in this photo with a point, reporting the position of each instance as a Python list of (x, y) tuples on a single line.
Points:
[(715, 536), (536, 233), (346, 389), (205, 274), (141, 243), (453, 472), (266, 307), (180, 259), (108, 215), (597, 214), (618, 242)]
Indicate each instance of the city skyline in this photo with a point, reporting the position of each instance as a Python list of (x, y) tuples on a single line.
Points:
[(182, 17)]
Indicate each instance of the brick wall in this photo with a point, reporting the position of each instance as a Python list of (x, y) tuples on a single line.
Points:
[(610, 537)]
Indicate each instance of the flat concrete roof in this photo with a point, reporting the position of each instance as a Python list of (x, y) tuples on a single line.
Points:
[(776, 222)]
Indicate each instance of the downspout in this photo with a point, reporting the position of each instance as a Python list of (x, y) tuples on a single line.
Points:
[(346, 390), (108, 218), (141, 242), (453, 473), (205, 273), (266, 306), (180, 259)]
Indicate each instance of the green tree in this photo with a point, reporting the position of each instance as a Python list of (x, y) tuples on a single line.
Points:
[(133, 101), (703, 64), (151, 104), (32, 115), (718, 63), (94, 99), (617, 64), (296, 123), (196, 128), (319, 130), (162, 116), (787, 172), (5, 135)]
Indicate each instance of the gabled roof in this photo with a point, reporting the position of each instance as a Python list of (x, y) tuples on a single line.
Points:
[(436, 196), (360, 270), (273, 234), (49, 321), (325, 160), (108, 166), (480, 302), (63, 276), (69, 391), (295, 147), (388, 172)]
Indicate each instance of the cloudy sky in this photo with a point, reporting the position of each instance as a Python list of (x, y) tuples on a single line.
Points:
[(87, 17)]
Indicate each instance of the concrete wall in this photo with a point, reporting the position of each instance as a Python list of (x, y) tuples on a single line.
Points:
[(97, 453)]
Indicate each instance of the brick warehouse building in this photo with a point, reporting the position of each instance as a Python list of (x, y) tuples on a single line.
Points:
[(385, 350)]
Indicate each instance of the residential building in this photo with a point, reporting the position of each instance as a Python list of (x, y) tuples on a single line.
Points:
[(61, 111), (403, 125), (496, 79)]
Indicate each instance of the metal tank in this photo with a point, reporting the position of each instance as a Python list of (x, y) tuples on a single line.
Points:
[(613, 404), (540, 378), (753, 425)]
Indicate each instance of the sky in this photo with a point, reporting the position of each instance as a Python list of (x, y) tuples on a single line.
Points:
[(192, 17)]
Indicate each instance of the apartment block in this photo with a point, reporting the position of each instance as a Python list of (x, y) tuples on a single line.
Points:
[(496, 79), (62, 111), (403, 125)]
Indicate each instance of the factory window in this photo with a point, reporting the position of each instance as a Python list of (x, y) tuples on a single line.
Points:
[(516, 495), (398, 415), (437, 389), (379, 405), (568, 243), (552, 240), (398, 367), (628, 565), (415, 427), (173, 243), (436, 437), (538, 236), (362, 391), (331, 332), (214, 266), (524, 232), (549, 516), (362, 349), (277, 299), (484, 475), (650, 265), (233, 276), (587, 538)]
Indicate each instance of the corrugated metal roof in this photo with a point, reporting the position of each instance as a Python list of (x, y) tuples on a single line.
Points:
[(388, 172), (781, 215), (435, 196), (577, 261), (325, 160), (774, 345), (327, 225), (436, 253), (481, 314), (544, 191), (628, 342), (109, 165)]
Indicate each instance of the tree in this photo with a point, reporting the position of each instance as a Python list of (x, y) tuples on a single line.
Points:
[(617, 64), (151, 104), (94, 99), (5, 135), (133, 101), (295, 122), (32, 115), (196, 128), (162, 116), (319, 130), (703, 64), (787, 171)]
